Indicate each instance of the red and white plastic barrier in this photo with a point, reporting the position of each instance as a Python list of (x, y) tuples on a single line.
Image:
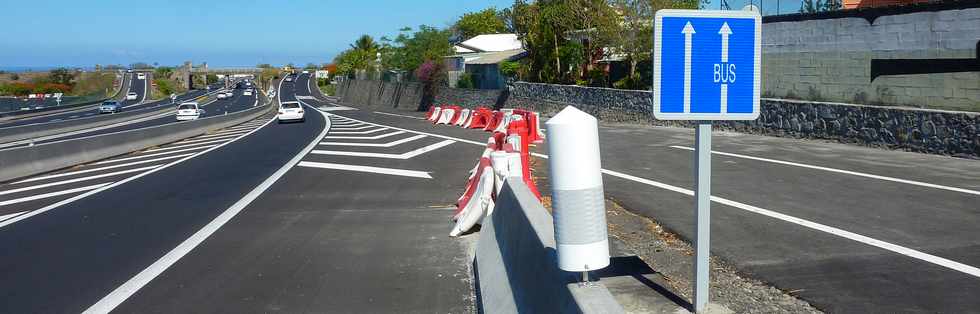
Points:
[(507, 155)]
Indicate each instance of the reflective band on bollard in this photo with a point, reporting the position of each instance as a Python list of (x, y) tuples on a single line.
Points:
[(577, 195)]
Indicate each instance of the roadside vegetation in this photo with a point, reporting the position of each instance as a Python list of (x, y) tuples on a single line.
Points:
[(567, 42), (69, 82)]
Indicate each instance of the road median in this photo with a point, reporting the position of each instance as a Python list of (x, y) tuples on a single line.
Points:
[(31, 160)]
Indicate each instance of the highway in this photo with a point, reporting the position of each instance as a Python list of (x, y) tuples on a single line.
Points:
[(255, 223), (349, 212), (133, 85)]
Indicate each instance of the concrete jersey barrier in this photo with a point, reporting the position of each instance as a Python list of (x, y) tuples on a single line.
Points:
[(26, 161), (516, 262)]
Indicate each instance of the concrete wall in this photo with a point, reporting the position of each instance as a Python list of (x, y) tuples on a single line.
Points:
[(516, 263), (829, 59)]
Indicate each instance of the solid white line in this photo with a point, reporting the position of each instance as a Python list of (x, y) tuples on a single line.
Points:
[(359, 132), (809, 224), (160, 152), (389, 144), (99, 169), (406, 155), (398, 115), (11, 215), (390, 171), (123, 292), (41, 196), (854, 173), (365, 137), (420, 132), (219, 134), (98, 176)]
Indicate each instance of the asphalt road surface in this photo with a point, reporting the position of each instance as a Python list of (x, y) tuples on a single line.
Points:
[(293, 217), (135, 85), (847, 228)]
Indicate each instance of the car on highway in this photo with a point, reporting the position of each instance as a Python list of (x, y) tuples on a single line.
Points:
[(132, 96), (224, 95), (247, 92), (140, 76), (189, 111), (306, 72), (110, 106), (289, 78), (290, 111)]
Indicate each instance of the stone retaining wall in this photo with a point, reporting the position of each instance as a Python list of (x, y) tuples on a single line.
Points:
[(919, 130)]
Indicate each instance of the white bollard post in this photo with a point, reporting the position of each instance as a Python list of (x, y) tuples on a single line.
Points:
[(577, 195)]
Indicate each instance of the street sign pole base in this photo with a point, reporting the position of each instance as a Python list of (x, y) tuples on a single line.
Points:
[(702, 196)]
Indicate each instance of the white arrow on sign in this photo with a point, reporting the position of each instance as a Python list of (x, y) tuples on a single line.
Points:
[(688, 33), (724, 31)]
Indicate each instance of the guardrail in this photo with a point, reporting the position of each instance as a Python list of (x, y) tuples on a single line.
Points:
[(31, 160)]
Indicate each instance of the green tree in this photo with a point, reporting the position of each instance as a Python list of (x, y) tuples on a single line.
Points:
[(263, 66), (487, 21), (365, 43), (62, 76), (310, 66), (14, 77), (163, 72), (212, 78)]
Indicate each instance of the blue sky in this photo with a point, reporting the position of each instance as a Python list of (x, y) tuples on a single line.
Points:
[(223, 33)]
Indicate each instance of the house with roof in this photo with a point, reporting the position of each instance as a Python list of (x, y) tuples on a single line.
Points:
[(480, 57)]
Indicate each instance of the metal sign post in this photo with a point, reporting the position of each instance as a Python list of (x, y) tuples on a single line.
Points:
[(706, 67)]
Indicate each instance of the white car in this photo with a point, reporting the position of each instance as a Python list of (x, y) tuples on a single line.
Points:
[(290, 111), (224, 95), (131, 96), (247, 92), (189, 111), (141, 76), (289, 78), (306, 72)]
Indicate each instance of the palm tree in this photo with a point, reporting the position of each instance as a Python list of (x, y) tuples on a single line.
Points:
[(365, 43)]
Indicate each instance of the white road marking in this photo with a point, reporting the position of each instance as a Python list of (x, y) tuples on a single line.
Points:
[(398, 115), (66, 134), (12, 215), (353, 128), (364, 137), (406, 155), (336, 108), (98, 176), (389, 144), (188, 145), (220, 134), (131, 286), (967, 269), (99, 169), (389, 171), (41, 196), (358, 132), (854, 173), (210, 139), (100, 189), (160, 152)]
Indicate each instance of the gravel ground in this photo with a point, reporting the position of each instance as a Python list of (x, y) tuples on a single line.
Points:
[(667, 254)]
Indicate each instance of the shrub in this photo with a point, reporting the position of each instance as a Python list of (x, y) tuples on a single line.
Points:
[(465, 81)]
